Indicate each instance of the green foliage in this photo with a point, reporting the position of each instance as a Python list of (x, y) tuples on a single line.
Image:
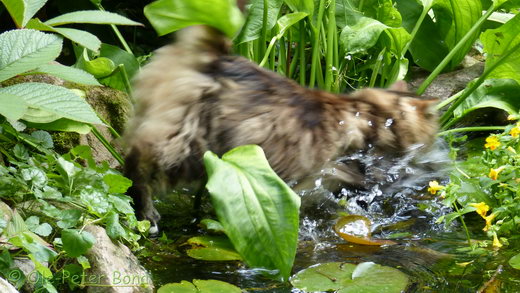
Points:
[(258, 211), (489, 183), (23, 50), (167, 16), (47, 103), (23, 11), (502, 46), (498, 42), (347, 278), (52, 199)]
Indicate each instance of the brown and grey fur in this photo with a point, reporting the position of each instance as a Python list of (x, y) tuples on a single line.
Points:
[(193, 97)]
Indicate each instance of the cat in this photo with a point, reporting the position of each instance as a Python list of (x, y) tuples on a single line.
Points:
[(194, 96)]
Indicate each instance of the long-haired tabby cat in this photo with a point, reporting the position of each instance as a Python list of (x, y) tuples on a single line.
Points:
[(193, 97)]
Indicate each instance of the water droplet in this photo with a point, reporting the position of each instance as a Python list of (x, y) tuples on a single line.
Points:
[(317, 183), (334, 68), (357, 114), (389, 122), (342, 122), (370, 123), (348, 57)]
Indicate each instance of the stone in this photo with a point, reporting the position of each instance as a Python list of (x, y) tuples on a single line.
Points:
[(6, 287), (113, 264)]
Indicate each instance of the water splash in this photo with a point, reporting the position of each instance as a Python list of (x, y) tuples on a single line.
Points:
[(391, 194)]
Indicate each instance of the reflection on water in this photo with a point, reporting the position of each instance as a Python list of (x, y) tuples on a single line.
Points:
[(392, 194)]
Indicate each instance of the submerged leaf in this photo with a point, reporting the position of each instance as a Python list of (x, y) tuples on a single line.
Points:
[(357, 229)]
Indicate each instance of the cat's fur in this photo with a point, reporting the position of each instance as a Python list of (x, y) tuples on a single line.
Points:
[(193, 97)]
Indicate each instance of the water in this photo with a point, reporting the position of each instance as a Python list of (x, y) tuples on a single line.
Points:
[(393, 196)]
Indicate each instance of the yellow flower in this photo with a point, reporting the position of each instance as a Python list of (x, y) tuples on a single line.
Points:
[(434, 187), (488, 219), (482, 208), (493, 173), (492, 142), (496, 242), (515, 131)]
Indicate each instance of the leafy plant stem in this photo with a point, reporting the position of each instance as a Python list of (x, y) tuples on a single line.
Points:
[(294, 61), (377, 67), (111, 129), (474, 128), (463, 223), (8, 156), (454, 51), (118, 33), (447, 115), (282, 57), (448, 100), (107, 145), (268, 51), (316, 43), (301, 51), (126, 81), (263, 34), (331, 31)]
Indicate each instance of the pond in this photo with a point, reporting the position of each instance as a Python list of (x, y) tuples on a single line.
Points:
[(392, 196)]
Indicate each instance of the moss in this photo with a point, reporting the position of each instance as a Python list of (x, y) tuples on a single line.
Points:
[(111, 105), (64, 141)]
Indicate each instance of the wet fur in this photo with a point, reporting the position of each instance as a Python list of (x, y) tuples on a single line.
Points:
[(193, 97)]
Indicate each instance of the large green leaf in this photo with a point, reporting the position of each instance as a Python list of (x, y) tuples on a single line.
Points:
[(441, 30), (503, 94), (81, 37), (361, 36), (119, 56), (349, 278), (75, 242), (23, 50), (306, 6), (454, 18), (258, 211), (288, 20), (12, 107), (500, 41), (50, 102), (62, 124), (22, 10), (90, 16), (68, 73), (253, 26), (396, 40), (167, 16), (362, 22)]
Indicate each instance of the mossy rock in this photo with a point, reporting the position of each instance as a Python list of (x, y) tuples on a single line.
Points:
[(111, 105)]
